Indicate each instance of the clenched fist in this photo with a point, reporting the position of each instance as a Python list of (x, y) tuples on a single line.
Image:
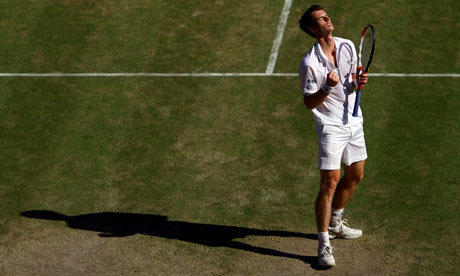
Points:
[(332, 79)]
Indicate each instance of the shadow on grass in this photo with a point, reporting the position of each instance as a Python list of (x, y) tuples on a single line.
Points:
[(110, 224)]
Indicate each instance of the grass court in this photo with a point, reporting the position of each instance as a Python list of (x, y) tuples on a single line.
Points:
[(217, 175)]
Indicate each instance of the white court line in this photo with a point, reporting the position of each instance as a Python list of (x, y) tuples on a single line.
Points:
[(134, 74), (401, 75), (279, 37)]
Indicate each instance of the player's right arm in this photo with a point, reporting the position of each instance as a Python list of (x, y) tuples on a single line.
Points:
[(312, 100)]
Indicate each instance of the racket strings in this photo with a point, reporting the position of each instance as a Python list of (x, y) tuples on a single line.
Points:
[(366, 49)]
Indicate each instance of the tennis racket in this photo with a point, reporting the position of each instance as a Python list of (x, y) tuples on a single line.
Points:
[(365, 54)]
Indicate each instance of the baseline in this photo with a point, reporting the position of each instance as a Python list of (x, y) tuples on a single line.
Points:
[(58, 74)]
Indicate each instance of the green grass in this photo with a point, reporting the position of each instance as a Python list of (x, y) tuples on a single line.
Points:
[(411, 36), (412, 179), (139, 133), (220, 151), (139, 36)]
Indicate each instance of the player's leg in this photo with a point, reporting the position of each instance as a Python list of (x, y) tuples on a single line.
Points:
[(329, 181), (332, 142), (345, 188), (348, 184), (354, 158)]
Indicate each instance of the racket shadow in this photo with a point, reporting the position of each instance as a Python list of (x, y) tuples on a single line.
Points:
[(345, 70), (114, 224)]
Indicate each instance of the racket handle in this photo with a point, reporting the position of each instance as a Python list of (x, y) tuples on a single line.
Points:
[(357, 101)]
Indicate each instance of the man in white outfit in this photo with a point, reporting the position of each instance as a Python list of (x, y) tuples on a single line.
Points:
[(330, 95)]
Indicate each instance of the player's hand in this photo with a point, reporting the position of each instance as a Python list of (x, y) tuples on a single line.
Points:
[(363, 79), (332, 79)]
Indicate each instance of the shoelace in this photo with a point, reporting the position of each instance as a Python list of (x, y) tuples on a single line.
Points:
[(344, 223), (327, 250)]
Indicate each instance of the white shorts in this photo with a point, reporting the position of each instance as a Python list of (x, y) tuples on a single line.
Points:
[(340, 144)]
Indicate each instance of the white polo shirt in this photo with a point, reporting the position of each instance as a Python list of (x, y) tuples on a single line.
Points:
[(337, 109)]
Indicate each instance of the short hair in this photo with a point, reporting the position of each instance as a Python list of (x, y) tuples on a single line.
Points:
[(308, 21)]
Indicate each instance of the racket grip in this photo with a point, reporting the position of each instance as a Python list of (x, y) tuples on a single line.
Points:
[(357, 101)]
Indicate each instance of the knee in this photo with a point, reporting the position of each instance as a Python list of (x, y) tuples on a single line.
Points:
[(358, 178), (328, 187), (327, 192), (354, 174), (351, 181)]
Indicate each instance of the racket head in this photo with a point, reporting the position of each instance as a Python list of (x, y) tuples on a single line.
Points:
[(345, 58), (366, 47)]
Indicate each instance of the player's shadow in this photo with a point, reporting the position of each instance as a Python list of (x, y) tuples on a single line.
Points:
[(110, 224)]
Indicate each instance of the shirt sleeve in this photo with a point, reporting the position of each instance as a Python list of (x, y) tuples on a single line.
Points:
[(308, 80)]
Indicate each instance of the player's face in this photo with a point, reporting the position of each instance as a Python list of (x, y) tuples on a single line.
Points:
[(324, 24)]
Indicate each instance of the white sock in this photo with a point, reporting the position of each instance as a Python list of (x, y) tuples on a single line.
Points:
[(323, 238), (336, 216)]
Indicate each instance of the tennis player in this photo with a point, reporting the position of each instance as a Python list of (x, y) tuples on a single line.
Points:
[(340, 135)]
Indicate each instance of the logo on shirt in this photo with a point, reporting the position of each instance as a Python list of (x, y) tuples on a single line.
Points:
[(311, 81)]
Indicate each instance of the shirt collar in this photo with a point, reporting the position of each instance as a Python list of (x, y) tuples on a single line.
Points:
[(322, 57)]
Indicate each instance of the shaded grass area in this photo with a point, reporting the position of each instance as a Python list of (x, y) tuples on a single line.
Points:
[(225, 152), (210, 151), (83, 145)]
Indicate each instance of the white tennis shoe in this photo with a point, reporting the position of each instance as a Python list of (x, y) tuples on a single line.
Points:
[(325, 257), (344, 231)]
